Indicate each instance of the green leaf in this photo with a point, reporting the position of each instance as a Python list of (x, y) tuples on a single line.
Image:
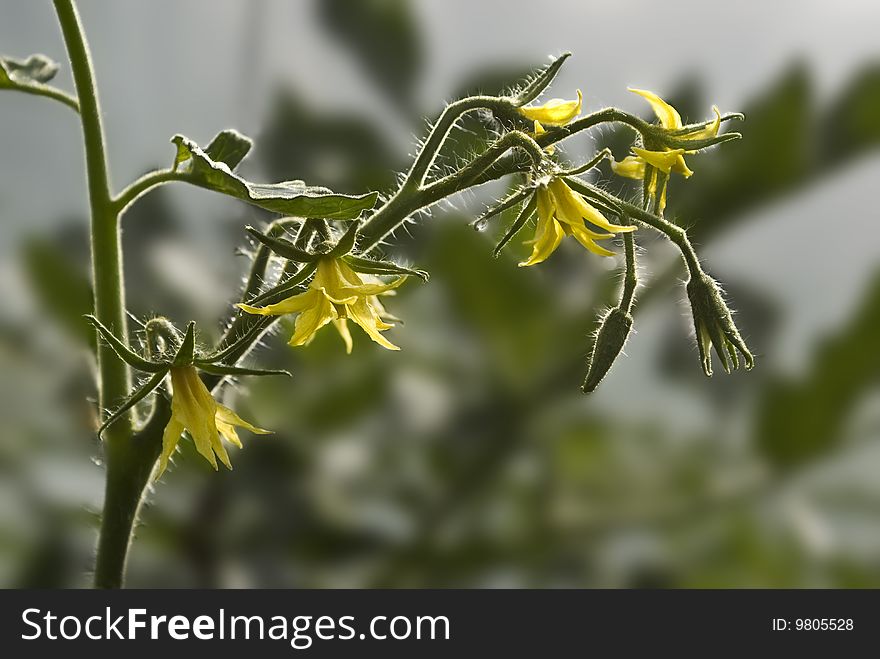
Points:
[(36, 69), (850, 126), (229, 147), (540, 82), (385, 39), (30, 77), (370, 267), (62, 288), (288, 198), (801, 420)]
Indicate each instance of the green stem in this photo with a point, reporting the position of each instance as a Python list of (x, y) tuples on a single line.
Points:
[(125, 466), (630, 277), (407, 200), (415, 178), (143, 185), (48, 91)]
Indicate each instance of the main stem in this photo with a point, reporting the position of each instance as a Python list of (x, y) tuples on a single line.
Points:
[(122, 494)]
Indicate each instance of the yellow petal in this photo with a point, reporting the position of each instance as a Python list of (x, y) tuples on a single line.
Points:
[(548, 233), (629, 167), (668, 115), (228, 433), (311, 320), (339, 297), (229, 417), (293, 304), (169, 442), (342, 327), (665, 161), (227, 420), (555, 112), (194, 407), (583, 236), (540, 130), (364, 315), (574, 209), (354, 285)]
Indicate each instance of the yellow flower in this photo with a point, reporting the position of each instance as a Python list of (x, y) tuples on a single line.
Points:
[(336, 294), (670, 119), (562, 212), (555, 112), (668, 160), (194, 409)]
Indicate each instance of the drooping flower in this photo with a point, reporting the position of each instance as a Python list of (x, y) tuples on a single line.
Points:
[(555, 112), (668, 160), (194, 409), (563, 212), (336, 294)]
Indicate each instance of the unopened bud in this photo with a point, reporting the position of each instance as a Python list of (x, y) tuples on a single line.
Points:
[(610, 339)]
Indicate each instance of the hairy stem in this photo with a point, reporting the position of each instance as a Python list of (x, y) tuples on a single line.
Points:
[(143, 185), (124, 464), (48, 91), (630, 277)]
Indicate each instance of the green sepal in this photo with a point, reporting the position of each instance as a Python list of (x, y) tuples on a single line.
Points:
[(125, 353), (245, 339), (539, 83), (524, 216), (134, 398), (599, 157), (222, 369), (370, 267), (346, 243), (294, 198), (186, 352), (282, 247), (674, 142), (508, 202), (610, 339), (279, 291), (692, 128)]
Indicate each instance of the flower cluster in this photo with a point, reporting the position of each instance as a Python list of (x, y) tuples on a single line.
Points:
[(331, 274)]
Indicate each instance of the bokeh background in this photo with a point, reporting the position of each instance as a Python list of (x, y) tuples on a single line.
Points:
[(470, 458)]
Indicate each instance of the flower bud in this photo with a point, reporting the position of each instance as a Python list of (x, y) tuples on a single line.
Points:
[(714, 326), (610, 339)]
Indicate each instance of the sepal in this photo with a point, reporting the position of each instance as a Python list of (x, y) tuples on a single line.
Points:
[(539, 83)]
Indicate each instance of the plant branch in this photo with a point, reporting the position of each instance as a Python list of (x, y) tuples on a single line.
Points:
[(48, 91), (141, 186)]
